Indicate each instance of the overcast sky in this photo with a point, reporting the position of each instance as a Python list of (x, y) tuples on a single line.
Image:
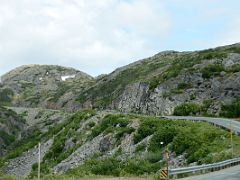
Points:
[(97, 36)]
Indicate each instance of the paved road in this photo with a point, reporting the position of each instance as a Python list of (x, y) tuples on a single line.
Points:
[(223, 122), (232, 173)]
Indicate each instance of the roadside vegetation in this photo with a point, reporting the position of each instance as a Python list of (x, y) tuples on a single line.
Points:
[(199, 142), (231, 110), (192, 109)]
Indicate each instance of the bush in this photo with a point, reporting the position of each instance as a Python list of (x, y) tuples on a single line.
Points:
[(6, 96), (114, 167), (212, 70), (8, 139), (187, 109), (108, 123), (184, 86), (212, 53), (163, 134), (231, 110), (147, 128)]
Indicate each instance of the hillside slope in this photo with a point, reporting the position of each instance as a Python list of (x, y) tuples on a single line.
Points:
[(158, 84), (45, 86), (110, 143), (11, 126)]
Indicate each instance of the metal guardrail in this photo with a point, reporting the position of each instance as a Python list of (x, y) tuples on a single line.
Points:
[(205, 167)]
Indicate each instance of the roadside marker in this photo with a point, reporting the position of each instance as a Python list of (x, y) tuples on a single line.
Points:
[(163, 174)]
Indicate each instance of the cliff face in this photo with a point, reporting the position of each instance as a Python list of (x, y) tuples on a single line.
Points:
[(158, 84)]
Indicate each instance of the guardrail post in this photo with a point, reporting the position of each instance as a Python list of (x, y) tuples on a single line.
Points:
[(175, 176)]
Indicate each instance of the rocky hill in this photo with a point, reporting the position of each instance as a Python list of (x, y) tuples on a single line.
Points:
[(45, 86), (158, 84)]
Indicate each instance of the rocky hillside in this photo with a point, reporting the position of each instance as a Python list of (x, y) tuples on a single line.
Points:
[(109, 143), (204, 81), (11, 126), (158, 84), (45, 86)]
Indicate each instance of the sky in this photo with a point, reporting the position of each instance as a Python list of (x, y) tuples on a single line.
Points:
[(98, 36)]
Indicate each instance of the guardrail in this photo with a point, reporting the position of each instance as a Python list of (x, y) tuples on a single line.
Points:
[(204, 168)]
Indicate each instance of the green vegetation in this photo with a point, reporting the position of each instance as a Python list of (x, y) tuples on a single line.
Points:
[(6, 96), (154, 71), (212, 70), (109, 89), (10, 127), (62, 132), (17, 148), (231, 110), (113, 123), (62, 89), (187, 109), (212, 54), (233, 50), (179, 90), (233, 69), (114, 167), (8, 139), (202, 143)]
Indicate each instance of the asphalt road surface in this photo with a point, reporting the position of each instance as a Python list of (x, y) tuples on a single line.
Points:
[(232, 173)]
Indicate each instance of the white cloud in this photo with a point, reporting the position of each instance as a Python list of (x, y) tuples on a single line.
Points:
[(93, 36)]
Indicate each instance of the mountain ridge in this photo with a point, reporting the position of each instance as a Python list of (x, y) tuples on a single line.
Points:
[(144, 86)]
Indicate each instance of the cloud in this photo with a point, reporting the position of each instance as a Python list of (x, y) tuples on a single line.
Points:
[(98, 36), (93, 36)]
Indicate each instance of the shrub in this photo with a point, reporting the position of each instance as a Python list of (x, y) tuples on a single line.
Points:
[(231, 110), (212, 70), (6, 96), (211, 54), (108, 123), (146, 128), (187, 109), (184, 86), (163, 134)]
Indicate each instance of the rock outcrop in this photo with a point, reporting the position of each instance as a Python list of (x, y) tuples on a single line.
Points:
[(22, 166)]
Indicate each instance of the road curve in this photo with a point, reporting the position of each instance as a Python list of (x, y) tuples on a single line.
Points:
[(232, 173), (222, 122)]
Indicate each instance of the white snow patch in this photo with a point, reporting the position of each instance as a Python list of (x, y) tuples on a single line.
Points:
[(64, 78)]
